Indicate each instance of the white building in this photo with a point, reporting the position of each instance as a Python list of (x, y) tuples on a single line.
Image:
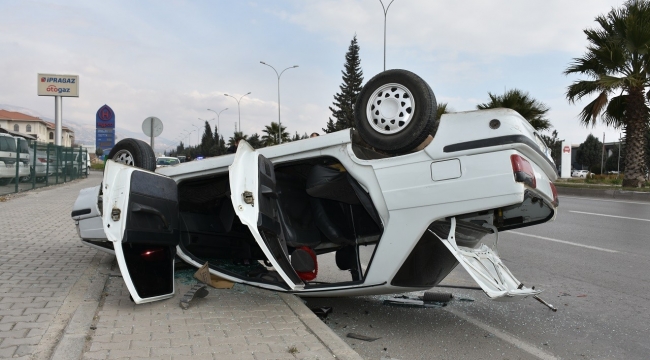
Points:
[(41, 129)]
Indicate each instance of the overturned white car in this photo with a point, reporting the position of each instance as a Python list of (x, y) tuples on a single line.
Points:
[(268, 217)]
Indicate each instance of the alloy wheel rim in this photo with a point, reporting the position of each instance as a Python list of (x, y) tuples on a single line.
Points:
[(124, 157), (390, 108)]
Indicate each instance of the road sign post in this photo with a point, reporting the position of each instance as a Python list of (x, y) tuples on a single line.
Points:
[(152, 127)]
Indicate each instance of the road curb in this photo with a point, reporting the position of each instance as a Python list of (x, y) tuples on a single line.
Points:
[(604, 193), (332, 342), (73, 339)]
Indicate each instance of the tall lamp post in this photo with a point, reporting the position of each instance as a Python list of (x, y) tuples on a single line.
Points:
[(197, 134), (218, 129), (385, 15), (189, 138), (238, 108), (279, 75)]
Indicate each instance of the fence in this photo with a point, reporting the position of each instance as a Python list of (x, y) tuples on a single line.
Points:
[(32, 165)]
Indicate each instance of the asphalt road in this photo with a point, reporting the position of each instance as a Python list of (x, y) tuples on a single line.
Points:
[(593, 264)]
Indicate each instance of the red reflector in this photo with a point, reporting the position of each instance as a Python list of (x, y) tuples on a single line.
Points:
[(523, 171), (556, 201), (153, 254)]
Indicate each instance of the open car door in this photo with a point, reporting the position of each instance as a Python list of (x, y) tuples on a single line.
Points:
[(254, 197), (140, 217), (487, 269)]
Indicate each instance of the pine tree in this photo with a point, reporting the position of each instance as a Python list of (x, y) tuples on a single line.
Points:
[(343, 106), (207, 141)]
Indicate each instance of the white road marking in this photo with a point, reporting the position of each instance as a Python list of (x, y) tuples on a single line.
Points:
[(614, 216), (565, 242), (594, 199), (503, 335)]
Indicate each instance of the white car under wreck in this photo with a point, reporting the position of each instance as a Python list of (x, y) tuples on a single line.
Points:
[(267, 217)]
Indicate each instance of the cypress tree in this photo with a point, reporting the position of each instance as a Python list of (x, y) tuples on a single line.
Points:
[(343, 106)]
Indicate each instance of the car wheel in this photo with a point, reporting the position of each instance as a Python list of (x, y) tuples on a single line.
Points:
[(134, 152), (4, 182), (395, 111)]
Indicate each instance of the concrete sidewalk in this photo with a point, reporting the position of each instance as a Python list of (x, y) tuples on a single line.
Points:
[(62, 300)]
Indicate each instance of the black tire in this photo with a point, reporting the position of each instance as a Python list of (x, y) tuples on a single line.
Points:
[(134, 152), (5, 181), (397, 137)]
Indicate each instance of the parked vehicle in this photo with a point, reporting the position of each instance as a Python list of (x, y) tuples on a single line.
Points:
[(76, 162), (166, 161), (23, 150), (268, 217), (580, 173), (14, 152), (8, 150)]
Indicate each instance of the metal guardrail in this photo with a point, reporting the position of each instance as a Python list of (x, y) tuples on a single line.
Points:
[(35, 165)]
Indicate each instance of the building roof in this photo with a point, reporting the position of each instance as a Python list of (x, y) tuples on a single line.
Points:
[(16, 116)]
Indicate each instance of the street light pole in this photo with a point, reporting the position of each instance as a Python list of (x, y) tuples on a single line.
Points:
[(218, 126), (385, 15), (197, 134), (279, 75), (238, 109)]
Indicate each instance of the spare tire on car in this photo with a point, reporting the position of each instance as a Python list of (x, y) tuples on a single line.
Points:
[(395, 111), (133, 152)]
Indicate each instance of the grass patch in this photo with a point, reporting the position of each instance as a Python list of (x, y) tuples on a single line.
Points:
[(97, 166), (601, 186)]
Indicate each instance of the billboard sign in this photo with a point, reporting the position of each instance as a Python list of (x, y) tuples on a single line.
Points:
[(105, 128), (58, 85), (105, 118)]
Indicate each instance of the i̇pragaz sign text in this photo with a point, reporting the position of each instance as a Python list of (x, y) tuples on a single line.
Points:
[(58, 85)]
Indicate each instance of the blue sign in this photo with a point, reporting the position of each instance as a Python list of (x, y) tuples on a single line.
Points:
[(105, 118), (105, 128)]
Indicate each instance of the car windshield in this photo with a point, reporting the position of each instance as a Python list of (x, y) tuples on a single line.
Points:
[(163, 161), (7, 144), (22, 145)]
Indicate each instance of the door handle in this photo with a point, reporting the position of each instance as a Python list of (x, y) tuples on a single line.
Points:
[(135, 207)]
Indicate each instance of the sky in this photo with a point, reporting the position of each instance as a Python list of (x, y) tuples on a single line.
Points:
[(175, 59)]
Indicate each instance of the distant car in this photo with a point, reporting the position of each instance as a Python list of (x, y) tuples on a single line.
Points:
[(580, 173), (268, 217), (166, 161), (614, 172), (40, 165), (182, 158)]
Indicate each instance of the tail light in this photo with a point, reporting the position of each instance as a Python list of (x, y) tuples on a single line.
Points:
[(523, 171), (556, 201), (44, 160)]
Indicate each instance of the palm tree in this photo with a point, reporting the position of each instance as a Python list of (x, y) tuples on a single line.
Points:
[(238, 135), (443, 108), (617, 63), (272, 132), (520, 101)]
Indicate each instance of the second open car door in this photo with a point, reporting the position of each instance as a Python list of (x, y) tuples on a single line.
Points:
[(255, 199)]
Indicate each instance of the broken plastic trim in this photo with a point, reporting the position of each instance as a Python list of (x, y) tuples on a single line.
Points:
[(487, 269)]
